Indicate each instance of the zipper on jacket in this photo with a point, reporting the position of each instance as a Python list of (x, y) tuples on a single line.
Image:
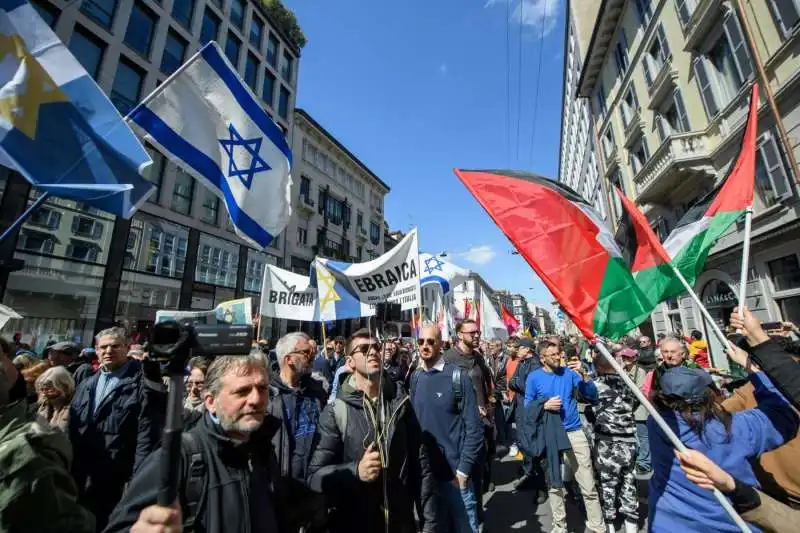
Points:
[(246, 491)]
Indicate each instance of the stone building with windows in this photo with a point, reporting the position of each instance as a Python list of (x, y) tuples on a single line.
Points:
[(337, 200), (578, 167), (85, 270), (669, 83)]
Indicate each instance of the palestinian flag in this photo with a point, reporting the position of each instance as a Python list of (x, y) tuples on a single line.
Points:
[(696, 233), (510, 321), (647, 259), (568, 245)]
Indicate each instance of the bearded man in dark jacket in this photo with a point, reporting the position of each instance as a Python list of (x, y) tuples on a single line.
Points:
[(367, 457)]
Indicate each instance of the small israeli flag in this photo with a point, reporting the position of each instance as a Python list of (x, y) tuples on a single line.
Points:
[(209, 123)]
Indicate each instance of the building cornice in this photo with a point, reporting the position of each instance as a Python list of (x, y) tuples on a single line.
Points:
[(604, 30), (564, 88)]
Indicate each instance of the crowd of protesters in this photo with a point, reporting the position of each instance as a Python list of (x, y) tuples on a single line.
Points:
[(362, 434)]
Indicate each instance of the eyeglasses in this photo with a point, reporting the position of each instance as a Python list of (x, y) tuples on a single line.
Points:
[(304, 353), (365, 348), (199, 384), (428, 342)]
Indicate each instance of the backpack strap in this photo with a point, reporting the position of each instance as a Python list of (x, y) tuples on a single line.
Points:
[(340, 415), (195, 479), (458, 389), (414, 380)]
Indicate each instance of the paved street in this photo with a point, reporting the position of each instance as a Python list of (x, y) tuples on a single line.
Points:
[(507, 510)]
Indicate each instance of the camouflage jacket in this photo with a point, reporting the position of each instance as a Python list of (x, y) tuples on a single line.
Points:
[(37, 492)]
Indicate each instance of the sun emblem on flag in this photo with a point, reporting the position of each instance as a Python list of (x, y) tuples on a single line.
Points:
[(329, 294)]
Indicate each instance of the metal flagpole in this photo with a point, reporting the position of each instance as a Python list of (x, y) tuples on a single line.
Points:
[(25, 215), (676, 442), (748, 227), (703, 310)]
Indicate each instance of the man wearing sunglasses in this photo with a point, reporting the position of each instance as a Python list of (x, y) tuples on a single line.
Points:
[(452, 432), (367, 456)]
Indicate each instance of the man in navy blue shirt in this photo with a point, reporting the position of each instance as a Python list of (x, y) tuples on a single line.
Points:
[(556, 385), (452, 431)]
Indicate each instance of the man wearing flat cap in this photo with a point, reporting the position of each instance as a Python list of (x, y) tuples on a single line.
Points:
[(67, 354)]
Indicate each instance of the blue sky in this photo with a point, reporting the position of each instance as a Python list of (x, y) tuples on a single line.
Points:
[(418, 87)]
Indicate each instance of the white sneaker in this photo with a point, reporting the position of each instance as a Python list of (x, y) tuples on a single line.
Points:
[(631, 527), (609, 528), (513, 450)]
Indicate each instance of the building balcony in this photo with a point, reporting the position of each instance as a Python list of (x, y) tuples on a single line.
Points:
[(634, 129), (705, 15), (306, 204), (663, 84), (361, 234), (682, 156)]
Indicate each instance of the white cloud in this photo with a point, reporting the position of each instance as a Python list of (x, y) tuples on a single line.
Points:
[(479, 255), (443, 69), (540, 15)]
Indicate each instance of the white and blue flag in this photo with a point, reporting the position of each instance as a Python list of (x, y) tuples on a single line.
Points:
[(209, 123), (57, 127), (436, 270), (393, 277)]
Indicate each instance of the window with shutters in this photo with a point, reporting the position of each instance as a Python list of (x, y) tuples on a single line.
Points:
[(630, 105), (786, 14), (87, 227), (639, 154), (685, 9), (82, 250), (621, 53), (616, 202), (644, 9), (672, 118), (45, 217), (600, 101), (772, 181), (608, 142), (657, 55)]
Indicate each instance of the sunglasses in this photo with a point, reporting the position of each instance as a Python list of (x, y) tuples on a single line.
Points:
[(429, 342), (365, 348)]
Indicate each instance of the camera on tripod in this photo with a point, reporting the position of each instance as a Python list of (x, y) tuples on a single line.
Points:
[(180, 340)]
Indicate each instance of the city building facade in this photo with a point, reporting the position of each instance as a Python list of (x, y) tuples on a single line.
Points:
[(578, 167), (470, 291), (84, 269), (669, 83)]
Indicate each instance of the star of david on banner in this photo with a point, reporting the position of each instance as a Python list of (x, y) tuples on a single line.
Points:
[(433, 264)]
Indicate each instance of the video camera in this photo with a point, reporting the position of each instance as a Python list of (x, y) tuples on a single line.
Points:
[(181, 339)]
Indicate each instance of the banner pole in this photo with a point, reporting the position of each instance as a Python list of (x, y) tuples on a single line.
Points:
[(748, 228), (706, 315), (657, 418), (324, 338), (25, 215)]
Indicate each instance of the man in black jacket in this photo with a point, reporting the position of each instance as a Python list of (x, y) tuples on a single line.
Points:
[(68, 355), (367, 456), (115, 421), (229, 477)]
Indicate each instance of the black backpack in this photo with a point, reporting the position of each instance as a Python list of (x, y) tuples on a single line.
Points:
[(195, 479), (458, 391)]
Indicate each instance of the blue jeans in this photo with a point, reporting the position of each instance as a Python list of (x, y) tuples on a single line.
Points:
[(460, 507), (643, 455)]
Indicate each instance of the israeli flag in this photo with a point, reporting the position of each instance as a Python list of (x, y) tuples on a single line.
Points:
[(57, 127), (436, 270), (209, 123)]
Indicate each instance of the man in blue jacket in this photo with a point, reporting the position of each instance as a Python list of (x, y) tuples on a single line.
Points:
[(556, 385), (452, 431), (115, 421)]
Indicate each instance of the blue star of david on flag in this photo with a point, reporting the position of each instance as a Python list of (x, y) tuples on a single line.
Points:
[(253, 147), (433, 264)]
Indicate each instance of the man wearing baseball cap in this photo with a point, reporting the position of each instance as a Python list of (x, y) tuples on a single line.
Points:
[(67, 354)]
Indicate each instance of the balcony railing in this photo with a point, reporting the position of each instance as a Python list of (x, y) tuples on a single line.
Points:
[(634, 129), (705, 15), (682, 151)]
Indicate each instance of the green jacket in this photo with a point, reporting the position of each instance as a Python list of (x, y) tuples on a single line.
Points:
[(37, 492)]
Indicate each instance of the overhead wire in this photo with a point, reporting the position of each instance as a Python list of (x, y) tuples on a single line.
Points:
[(519, 78), (508, 82), (542, 23)]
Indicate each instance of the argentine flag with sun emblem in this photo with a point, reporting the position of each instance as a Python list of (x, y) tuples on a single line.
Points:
[(206, 120)]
